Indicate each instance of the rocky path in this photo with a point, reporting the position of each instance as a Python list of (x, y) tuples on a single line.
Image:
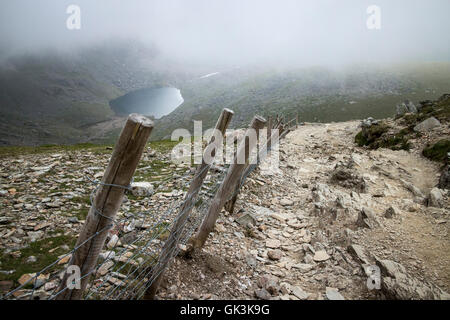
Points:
[(310, 230)]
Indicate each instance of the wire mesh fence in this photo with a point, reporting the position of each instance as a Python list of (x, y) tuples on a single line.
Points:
[(124, 271), (140, 244)]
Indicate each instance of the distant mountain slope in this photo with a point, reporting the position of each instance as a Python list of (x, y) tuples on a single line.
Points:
[(56, 97), (63, 98), (317, 94)]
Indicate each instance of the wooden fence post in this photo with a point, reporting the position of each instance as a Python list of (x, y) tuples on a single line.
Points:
[(120, 170), (230, 203), (186, 208), (263, 152), (231, 179), (269, 131)]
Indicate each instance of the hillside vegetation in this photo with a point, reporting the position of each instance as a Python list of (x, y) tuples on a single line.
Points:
[(317, 94)]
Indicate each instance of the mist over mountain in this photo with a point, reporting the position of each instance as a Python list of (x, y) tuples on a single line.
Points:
[(286, 32), (317, 58)]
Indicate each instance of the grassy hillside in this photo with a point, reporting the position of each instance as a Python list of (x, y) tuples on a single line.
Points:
[(56, 98), (317, 94)]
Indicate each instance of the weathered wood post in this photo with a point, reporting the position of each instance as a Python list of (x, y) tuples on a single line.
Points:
[(108, 198), (269, 131), (230, 203), (186, 208), (231, 179), (296, 120)]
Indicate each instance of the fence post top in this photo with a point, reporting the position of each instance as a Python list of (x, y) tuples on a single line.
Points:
[(258, 121), (142, 120), (228, 110)]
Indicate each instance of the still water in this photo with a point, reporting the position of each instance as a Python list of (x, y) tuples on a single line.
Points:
[(155, 102)]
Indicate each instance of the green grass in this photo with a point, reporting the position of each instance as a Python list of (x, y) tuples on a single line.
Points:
[(11, 151), (51, 148), (381, 135), (377, 136), (39, 249), (438, 151)]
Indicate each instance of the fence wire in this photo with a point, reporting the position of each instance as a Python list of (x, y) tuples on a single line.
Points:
[(127, 271), (124, 272)]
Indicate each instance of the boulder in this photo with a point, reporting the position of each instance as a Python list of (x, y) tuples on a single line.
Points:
[(366, 123), (274, 254), (435, 198), (427, 125), (405, 107), (141, 189), (398, 284)]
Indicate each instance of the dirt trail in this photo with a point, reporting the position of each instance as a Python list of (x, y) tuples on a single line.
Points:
[(304, 222)]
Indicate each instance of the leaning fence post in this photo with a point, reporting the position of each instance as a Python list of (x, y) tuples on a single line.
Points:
[(108, 198), (230, 203), (269, 131), (231, 179), (186, 208)]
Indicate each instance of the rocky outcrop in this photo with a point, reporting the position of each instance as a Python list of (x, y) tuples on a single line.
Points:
[(405, 107), (397, 284), (427, 125)]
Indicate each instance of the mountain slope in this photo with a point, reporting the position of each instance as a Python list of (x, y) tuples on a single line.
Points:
[(317, 94), (56, 97)]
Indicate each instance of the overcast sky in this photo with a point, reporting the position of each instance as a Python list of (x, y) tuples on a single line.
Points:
[(239, 31)]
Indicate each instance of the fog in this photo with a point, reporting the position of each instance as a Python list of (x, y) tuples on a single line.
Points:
[(238, 32)]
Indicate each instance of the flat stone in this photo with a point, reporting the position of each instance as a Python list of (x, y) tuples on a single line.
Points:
[(42, 226), (286, 202), (25, 278), (300, 293), (53, 205), (273, 243), (65, 259), (333, 294), (321, 255), (278, 217), (113, 242), (303, 267), (104, 268), (116, 282)]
